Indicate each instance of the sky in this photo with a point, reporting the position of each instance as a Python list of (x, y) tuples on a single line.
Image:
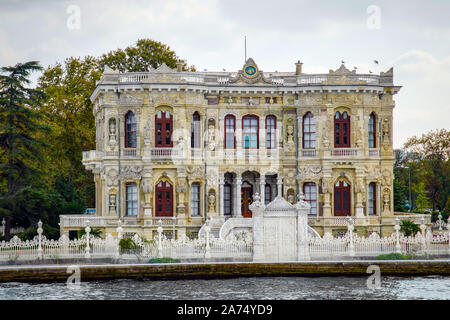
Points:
[(411, 36)]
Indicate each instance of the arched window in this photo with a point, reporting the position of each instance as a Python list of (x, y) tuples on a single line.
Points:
[(195, 130), (130, 130), (163, 129), (271, 126), (250, 132), (309, 189), (372, 131), (230, 127), (372, 198), (131, 199), (342, 130), (341, 199), (164, 199), (309, 131), (195, 199)]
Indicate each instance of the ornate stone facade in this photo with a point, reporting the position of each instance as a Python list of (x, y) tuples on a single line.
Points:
[(184, 146)]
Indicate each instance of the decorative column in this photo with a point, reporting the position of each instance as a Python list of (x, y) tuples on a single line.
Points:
[(221, 197), (303, 209), (351, 245), (359, 190), (257, 208), (262, 186), (280, 186), (237, 212), (398, 247)]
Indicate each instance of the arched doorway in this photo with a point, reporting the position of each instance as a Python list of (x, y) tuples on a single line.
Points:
[(341, 198), (246, 199), (164, 199)]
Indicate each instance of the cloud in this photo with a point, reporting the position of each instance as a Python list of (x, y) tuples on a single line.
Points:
[(422, 104)]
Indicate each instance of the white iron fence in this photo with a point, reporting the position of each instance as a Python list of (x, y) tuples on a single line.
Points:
[(210, 248)]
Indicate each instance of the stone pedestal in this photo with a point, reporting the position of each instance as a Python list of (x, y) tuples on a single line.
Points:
[(148, 210)]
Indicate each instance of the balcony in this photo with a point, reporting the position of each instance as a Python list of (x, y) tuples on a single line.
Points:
[(309, 153), (163, 153), (345, 152)]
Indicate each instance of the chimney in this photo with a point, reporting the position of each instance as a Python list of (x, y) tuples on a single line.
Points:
[(180, 64), (298, 67)]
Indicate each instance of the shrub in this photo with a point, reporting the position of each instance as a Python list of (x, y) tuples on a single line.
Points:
[(94, 232), (409, 228), (127, 244), (391, 256), (164, 260)]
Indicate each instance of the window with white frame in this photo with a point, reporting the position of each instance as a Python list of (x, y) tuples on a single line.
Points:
[(131, 199), (310, 191), (195, 199)]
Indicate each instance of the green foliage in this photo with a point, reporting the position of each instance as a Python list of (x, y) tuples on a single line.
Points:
[(435, 215), (94, 232), (400, 191), (391, 256), (422, 201), (409, 228), (164, 260), (447, 206), (126, 244)]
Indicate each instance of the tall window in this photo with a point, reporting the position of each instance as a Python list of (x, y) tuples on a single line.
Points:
[(130, 130), (250, 135), (131, 199), (195, 199), (230, 127), (372, 199), (271, 126), (309, 131), (342, 130), (341, 199), (163, 127), (195, 130), (227, 202), (372, 131), (309, 189), (164, 199), (267, 193)]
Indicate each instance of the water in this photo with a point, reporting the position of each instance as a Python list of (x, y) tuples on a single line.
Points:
[(354, 288)]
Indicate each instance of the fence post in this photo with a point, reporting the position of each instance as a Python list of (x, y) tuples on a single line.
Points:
[(207, 248), (423, 228), (119, 236), (160, 230), (440, 221), (398, 248), (3, 227), (39, 231), (448, 228), (87, 254), (351, 246)]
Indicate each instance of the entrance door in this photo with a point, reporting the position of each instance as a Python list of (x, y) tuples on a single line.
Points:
[(246, 199), (341, 199), (164, 199)]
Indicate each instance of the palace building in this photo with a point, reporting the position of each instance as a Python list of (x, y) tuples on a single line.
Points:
[(181, 147)]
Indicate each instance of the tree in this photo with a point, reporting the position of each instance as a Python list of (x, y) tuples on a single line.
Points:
[(69, 111), (429, 155), (20, 128), (409, 228), (143, 56), (422, 201), (434, 144)]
